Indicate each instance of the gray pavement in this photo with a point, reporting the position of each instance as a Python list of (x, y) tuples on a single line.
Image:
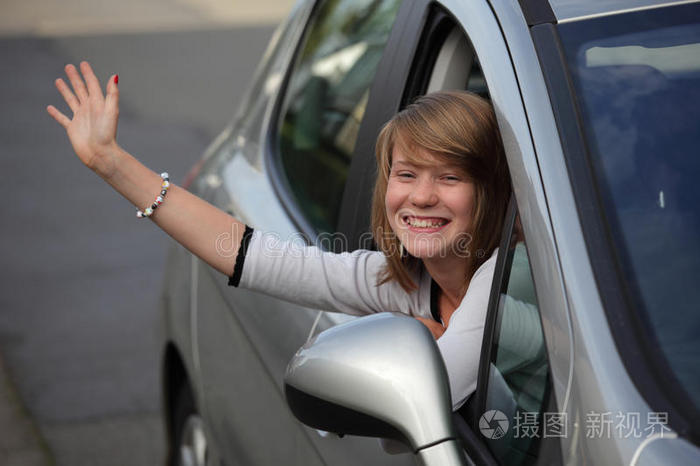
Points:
[(20, 442), (81, 275)]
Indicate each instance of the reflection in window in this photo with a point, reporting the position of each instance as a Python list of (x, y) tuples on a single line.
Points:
[(637, 79), (326, 98)]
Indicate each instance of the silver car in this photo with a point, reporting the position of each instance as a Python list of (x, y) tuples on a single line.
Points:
[(591, 347)]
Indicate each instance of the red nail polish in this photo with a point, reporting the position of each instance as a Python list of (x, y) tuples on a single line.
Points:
[(116, 79)]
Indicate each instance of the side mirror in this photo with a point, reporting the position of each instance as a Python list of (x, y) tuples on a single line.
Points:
[(377, 376)]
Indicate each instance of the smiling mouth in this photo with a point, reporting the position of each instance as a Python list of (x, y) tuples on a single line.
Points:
[(424, 222)]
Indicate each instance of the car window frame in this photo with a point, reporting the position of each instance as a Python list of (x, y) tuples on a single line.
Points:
[(272, 157), (498, 286), (467, 417), (549, 448)]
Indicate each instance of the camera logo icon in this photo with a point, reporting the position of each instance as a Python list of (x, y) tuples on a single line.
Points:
[(493, 424)]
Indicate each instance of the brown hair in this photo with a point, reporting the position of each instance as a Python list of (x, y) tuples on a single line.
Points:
[(460, 128)]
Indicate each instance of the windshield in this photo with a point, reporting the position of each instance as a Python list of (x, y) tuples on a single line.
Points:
[(637, 80)]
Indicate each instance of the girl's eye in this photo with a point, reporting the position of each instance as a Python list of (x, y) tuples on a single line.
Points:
[(450, 178), (404, 175)]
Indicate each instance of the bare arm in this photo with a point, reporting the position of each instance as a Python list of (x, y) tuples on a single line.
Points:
[(197, 225)]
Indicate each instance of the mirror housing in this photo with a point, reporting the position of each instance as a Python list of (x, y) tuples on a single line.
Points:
[(377, 376)]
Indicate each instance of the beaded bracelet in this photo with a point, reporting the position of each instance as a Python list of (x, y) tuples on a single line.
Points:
[(148, 211)]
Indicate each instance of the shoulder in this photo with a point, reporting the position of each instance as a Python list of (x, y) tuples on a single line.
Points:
[(485, 270)]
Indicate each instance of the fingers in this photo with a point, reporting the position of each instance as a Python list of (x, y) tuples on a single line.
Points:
[(81, 93), (93, 84), (112, 100), (77, 83), (435, 328), (58, 116), (68, 96)]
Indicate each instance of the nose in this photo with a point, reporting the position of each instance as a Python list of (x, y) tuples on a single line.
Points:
[(423, 193)]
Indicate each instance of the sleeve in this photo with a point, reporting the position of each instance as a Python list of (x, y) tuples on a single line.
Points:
[(310, 277), (520, 341), (235, 277), (460, 345)]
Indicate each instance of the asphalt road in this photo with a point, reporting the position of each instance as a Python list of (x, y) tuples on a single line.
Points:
[(80, 274)]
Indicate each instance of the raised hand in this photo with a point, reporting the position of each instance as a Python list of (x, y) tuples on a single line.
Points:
[(93, 129), (191, 221)]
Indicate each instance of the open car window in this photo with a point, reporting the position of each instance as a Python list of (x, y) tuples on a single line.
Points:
[(517, 388)]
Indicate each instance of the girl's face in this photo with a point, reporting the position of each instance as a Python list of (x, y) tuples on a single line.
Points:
[(430, 207)]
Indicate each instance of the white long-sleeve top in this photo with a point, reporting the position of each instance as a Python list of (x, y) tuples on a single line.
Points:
[(347, 282)]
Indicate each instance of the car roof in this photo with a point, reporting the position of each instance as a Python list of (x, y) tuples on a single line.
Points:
[(568, 10)]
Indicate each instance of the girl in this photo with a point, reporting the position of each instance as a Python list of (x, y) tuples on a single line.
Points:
[(439, 202)]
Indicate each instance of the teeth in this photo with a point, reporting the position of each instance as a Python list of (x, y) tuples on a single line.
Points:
[(424, 223)]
